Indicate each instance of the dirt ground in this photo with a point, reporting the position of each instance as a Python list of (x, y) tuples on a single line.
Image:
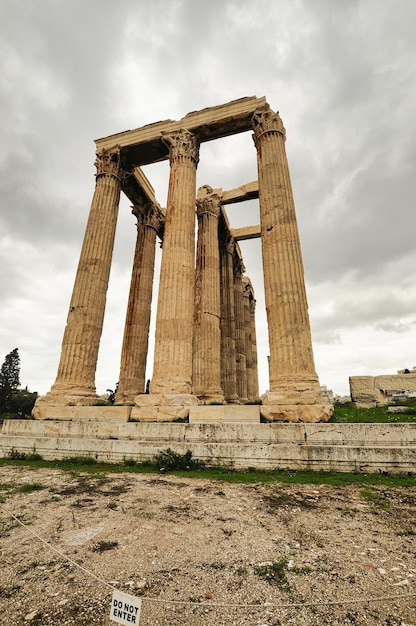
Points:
[(203, 552)]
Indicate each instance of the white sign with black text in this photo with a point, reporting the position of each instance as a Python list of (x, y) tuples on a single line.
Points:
[(125, 609)]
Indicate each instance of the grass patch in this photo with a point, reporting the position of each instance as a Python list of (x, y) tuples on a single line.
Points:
[(224, 474), (29, 487), (376, 499), (274, 573), (349, 414)]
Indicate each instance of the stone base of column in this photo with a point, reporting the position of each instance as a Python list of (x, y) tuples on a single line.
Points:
[(210, 396), (125, 397), (62, 397), (154, 407), (296, 412), (296, 400)]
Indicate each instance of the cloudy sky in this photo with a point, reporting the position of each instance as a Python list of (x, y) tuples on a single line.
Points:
[(342, 75)]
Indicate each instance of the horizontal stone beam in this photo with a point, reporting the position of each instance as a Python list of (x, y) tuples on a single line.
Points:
[(246, 232), (143, 145), (249, 191)]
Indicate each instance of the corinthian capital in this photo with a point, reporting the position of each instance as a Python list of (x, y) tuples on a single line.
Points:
[(148, 214), (209, 203), (107, 162), (266, 121), (182, 144)]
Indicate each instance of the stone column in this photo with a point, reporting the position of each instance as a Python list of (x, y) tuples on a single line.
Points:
[(294, 387), (240, 333), (172, 373), (207, 332), (251, 343), (228, 353), (136, 331), (75, 381)]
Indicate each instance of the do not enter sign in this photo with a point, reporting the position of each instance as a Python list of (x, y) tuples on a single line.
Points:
[(125, 609)]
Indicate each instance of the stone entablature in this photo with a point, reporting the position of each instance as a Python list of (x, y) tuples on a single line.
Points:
[(368, 391), (205, 340)]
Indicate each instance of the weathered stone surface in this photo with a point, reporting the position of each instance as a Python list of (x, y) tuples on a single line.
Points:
[(337, 447), (296, 412), (162, 407), (47, 411), (225, 414), (369, 391)]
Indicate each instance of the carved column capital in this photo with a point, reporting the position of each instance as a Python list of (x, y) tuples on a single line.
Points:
[(211, 203), (181, 144), (148, 214), (265, 121), (108, 163), (230, 245), (238, 266)]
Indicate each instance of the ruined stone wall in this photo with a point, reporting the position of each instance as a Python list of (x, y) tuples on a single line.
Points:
[(367, 391)]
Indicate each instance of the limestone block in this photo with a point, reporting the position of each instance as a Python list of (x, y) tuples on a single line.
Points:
[(396, 383), (364, 391), (296, 412), (92, 413), (159, 413), (225, 414), (156, 399)]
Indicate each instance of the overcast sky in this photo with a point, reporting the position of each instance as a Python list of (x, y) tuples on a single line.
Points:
[(342, 75)]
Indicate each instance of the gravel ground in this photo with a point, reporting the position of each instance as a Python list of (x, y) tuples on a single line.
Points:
[(202, 552)]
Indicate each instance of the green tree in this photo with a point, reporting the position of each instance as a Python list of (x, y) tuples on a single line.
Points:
[(22, 403), (9, 380)]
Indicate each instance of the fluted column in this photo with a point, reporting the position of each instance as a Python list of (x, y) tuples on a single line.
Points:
[(76, 372), (136, 331), (293, 379), (228, 353), (207, 332), (172, 372), (240, 334), (251, 343)]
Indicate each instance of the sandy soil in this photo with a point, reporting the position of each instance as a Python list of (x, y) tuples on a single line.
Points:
[(202, 552)]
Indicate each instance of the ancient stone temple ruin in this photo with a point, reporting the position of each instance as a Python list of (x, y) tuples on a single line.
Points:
[(205, 352)]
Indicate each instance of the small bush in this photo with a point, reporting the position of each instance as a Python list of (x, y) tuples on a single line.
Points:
[(274, 573), (34, 456), (102, 546), (169, 460), (15, 455), (129, 462)]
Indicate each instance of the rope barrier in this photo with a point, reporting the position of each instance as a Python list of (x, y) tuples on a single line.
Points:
[(266, 605)]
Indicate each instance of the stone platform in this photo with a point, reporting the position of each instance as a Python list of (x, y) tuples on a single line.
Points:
[(337, 447)]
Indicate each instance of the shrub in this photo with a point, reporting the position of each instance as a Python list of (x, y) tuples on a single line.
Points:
[(169, 460)]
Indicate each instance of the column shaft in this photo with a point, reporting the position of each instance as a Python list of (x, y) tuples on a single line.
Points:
[(228, 352), (286, 304), (293, 379), (240, 333), (136, 331), (172, 372), (207, 332), (251, 343), (76, 372)]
